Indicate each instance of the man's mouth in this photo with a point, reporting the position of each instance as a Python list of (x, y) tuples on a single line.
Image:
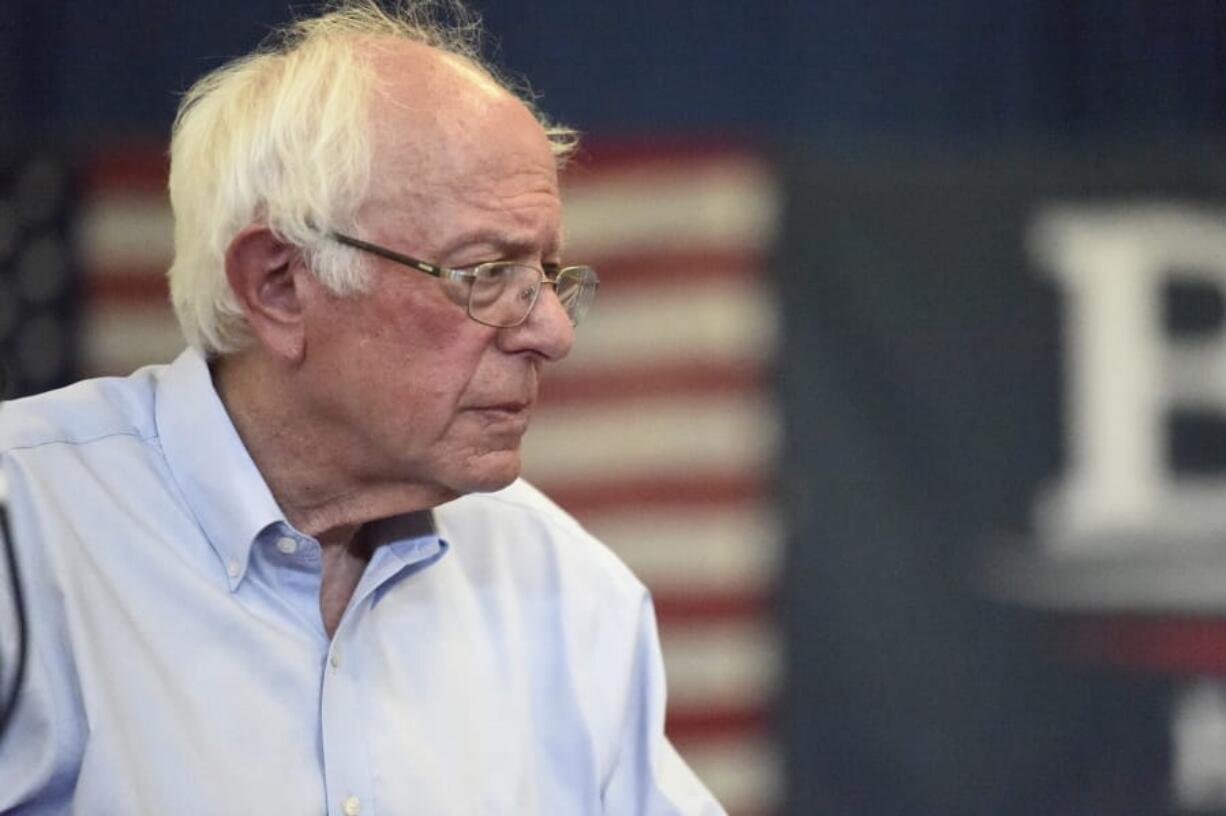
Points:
[(510, 406), (505, 412)]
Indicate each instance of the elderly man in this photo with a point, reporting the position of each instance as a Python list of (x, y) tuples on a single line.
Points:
[(256, 580)]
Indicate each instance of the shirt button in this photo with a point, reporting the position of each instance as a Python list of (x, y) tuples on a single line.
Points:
[(335, 660), (287, 545), (351, 806), (232, 569)]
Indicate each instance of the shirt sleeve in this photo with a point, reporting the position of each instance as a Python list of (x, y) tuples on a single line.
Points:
[(649, 777), (35, 776)]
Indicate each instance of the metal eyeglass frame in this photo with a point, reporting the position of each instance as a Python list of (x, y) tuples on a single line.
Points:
[(447, 273)]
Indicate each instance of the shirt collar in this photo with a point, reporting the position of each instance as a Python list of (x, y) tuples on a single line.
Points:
[(223, 487), (406, 544), (207, 459)]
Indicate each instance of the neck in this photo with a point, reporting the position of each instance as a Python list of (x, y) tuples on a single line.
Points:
[(310, 467)]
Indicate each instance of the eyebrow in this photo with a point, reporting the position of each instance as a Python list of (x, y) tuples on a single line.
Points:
[(506, 248)]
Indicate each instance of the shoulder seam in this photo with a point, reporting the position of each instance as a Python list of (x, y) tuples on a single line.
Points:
[(79, 442)]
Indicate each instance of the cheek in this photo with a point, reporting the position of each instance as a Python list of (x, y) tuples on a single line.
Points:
[(405, 355), (394, 328), (424, 359)]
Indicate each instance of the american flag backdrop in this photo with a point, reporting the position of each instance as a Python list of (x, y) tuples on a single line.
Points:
[(659, 432)]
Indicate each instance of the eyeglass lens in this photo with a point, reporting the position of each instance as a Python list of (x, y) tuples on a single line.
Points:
[(504, 294), (576, 288)]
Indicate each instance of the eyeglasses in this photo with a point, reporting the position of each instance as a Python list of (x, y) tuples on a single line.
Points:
[(502, 293)]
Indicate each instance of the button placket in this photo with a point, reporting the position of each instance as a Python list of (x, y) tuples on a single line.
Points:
[(347, 771)]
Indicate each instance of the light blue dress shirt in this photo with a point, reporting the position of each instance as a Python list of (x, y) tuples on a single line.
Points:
[(501, 662)]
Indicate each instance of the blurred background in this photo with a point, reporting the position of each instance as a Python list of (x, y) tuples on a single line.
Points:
[(905, 390)]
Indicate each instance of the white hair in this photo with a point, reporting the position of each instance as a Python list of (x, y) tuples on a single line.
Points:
[(282, 137)]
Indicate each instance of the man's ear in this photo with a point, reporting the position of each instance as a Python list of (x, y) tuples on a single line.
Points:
[(261, 270)]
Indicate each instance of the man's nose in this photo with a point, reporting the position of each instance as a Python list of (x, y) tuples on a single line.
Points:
[(547, 330)]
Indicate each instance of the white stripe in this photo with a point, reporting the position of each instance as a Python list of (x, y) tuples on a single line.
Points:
[(702, 550), (668, 436), (127, 232), (120, 339), (726, 204), (721, 663), (723, 204), (745, 775), (712, 321)]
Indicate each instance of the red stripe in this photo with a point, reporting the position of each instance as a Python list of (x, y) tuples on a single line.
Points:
[(700, 726), (599, 158), (680, 609), (585, 500), (618, 273), (669, 267), (142, 167), (1170, 644), (130, 286), (580, 385), (145, 163)]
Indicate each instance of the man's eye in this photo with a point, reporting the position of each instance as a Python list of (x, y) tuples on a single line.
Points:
[(496, 272)]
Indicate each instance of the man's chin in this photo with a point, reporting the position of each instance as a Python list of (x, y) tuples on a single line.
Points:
[(492, 472)]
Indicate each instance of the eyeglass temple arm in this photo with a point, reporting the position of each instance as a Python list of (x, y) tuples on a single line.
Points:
[(391, 255)]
